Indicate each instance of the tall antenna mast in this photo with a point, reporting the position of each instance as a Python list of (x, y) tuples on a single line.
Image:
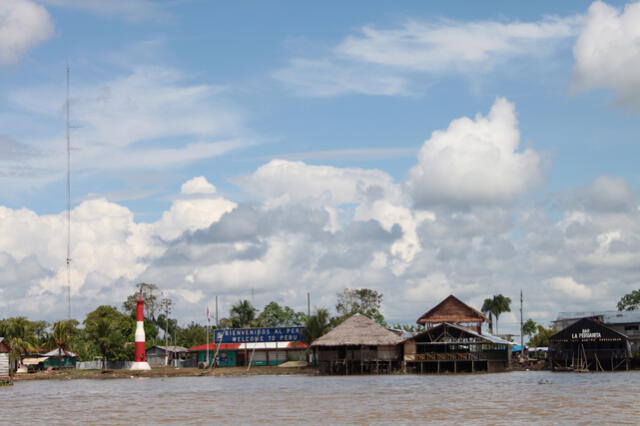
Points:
[(68, 204)]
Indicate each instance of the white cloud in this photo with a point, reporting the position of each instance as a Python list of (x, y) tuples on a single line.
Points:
[(395, 62), (296, 181), (23, 24), (569, 287), (475, 161), (327, 78), (607, 52), (136, 10), (445, 46), (150, 118)]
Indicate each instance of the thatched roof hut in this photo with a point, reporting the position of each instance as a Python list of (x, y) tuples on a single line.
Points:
[(358, 330), (358, 346)]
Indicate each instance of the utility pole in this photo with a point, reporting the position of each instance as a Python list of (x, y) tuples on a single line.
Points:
[(308, 304), (521, 327), (67, 108), (217, 324)]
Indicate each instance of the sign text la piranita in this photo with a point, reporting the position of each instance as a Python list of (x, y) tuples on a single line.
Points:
[(586, 334)]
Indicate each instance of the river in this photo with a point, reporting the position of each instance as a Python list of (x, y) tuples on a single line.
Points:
[(503, 398)]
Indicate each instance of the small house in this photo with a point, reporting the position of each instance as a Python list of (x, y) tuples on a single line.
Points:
[(254, 353), (60, 358), (589, 345), (159, 356), (358, 346), (5, 371)]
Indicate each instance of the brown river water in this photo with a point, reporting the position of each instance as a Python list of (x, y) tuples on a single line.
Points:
[(503, 398)]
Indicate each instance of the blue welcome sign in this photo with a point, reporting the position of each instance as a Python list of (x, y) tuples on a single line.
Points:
[(263, 334)]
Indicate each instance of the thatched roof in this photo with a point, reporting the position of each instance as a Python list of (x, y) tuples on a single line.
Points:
[(356, 331), (452, 310)]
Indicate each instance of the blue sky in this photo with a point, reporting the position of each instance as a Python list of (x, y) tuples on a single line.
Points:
[(267, 108)]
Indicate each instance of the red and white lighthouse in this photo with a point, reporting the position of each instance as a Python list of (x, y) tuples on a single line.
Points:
[(140, 360)]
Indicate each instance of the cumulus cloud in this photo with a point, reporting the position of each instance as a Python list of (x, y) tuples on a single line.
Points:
[(23, 24), (475, 161), (205, 245), (569, 287), (392, 61), (297, 181), (607, 52)]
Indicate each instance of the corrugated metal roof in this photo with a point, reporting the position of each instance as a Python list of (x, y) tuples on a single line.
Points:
[(60, 352), (608, 317), (171, 348)]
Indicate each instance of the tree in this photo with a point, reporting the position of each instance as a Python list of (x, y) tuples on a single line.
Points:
[(529, 327), (152, 303), (242, 314), (630, 301), (360, 301), (542, 336), (62, 334), (109, 330), (19, 332), (192, 335), (274, 315), (316, 325), (494, 307)]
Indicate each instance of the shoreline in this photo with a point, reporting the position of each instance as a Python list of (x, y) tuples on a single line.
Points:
[(162, 373)]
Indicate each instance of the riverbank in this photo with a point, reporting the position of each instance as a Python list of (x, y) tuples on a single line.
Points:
[(161, 372)]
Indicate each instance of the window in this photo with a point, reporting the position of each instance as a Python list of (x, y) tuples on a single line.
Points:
[(631, 327)]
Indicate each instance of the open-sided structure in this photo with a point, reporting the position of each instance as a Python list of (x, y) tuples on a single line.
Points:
[(454, 348), (358, 346), (589, 345), (452, 310)]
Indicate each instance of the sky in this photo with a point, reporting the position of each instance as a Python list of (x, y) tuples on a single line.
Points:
[(266, 150)]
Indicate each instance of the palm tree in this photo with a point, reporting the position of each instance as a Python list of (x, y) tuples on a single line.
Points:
[(487, 309), (494, 307), (243, 314), (62, 333), (18, 333), (316, 325)]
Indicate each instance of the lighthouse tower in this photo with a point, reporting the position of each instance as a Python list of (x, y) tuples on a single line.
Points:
[(140, 361)]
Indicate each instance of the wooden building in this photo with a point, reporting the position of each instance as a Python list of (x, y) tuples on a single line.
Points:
[(5, 371), (159, 356), (358, 346), (59, 358), (452, 310), (589, 345), (454, 349)]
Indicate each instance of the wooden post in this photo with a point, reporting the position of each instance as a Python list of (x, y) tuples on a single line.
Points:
[(361, 360)]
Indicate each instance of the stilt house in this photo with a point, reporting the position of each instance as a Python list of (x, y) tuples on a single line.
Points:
[(589, 345), (358, 346), (453, 342)]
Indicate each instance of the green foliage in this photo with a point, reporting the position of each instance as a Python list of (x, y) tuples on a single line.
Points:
[(24, 336), (274, 315), (316, 325), (541, 337), (630, 301), (63, 333), (109, 331), (242, 314), (495, 306), (192, 335), (359, 301), (529, 327)]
